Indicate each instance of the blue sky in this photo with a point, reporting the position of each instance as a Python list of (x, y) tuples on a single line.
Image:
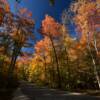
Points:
[(41, 7)]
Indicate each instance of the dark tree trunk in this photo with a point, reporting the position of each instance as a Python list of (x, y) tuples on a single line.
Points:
[(15, 54), (45, 67), (57, 62)]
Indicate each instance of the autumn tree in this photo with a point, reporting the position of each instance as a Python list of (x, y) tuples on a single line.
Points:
[(86, 18), (22, 35), (42, 59), (16, 34), (42, 48), (51, 29)]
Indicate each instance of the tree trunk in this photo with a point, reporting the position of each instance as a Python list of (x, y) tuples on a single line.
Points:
[(94, 63), (15, 54), (57, 62), (68, 68), (45, 67)]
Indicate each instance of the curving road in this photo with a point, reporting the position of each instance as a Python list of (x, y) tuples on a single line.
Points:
[(27, 91)]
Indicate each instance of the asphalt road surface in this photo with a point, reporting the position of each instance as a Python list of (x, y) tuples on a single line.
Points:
[(28, 91)]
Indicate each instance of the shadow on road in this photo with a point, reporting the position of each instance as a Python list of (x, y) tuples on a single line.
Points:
[(35, 93), (6, 94)]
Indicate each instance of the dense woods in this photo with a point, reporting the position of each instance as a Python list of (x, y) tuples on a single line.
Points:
[(59, 59)]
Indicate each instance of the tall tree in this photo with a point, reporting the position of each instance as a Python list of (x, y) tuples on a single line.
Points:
[(87, 21), (18, 32), (51, 29)]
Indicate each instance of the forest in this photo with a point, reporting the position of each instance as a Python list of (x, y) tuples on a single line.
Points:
[(59, 59)]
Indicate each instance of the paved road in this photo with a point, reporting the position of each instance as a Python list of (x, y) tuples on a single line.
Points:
[(28, 91)]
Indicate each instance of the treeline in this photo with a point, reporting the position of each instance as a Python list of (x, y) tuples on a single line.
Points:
[(16, 29), (59, 60), (62, 61)]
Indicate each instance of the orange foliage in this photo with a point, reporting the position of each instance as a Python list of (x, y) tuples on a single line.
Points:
[(42, 49), (25, 12), (42, 46), (4, 8), (50, 27), (5, 5), (1, 15), (87, 16)]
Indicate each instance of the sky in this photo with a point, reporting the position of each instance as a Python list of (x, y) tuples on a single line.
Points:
[(40, 8)]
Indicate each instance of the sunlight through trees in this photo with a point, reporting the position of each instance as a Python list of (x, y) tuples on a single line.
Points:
[(58, 59)]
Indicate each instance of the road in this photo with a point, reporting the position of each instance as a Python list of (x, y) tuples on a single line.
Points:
[(28, 91)]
